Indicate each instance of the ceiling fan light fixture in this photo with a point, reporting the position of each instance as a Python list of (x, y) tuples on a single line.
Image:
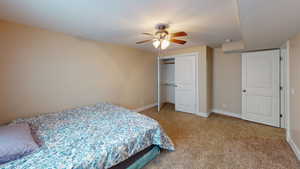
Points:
[(164, 44), (162, 39), (156, 43)]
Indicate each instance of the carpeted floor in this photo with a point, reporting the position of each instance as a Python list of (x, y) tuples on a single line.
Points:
[(220, 142)]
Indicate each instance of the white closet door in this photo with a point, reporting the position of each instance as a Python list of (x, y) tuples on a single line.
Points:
[(260, 83), (185, 80), (159, 99)]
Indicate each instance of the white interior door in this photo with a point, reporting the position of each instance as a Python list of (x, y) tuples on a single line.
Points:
[(260, 85), (185, 80)]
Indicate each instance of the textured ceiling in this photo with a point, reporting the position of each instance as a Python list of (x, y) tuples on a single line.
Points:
[(268, 23), (207, 22), (261, 24)]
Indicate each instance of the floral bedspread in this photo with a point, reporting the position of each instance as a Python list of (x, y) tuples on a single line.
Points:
[(98, 136)]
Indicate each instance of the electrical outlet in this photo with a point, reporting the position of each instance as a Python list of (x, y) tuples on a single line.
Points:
[(224, 105)]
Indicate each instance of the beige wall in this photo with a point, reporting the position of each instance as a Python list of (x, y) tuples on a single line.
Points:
[(227, 83), (295, 85), (43, 71), (203, 73)]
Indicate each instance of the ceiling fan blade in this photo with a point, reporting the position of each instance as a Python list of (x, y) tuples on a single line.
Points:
[(147, 34), (178, 34), (182, 42), (144, 41)]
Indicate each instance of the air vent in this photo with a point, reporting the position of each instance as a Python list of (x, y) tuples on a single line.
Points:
[(236, 46)]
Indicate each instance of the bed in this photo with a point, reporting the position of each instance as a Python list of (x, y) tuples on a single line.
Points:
[(97, 136)]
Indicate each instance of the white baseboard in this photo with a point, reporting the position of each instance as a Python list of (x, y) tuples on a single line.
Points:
[(145, 107), (231, 114), (201, 114), (294, 147)]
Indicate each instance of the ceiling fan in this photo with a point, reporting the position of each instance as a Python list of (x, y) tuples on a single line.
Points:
[(162, 38)]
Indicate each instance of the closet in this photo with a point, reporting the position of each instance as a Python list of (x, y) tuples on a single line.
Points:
[(184, 77), (178, 82), (167, 81)]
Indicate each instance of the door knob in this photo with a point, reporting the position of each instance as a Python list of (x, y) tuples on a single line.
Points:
[(244, 91)]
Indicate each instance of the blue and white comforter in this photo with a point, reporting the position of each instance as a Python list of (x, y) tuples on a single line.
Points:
[(98, 136)]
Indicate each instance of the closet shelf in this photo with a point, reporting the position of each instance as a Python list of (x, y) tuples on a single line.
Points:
[(169, 63), (170, 84)]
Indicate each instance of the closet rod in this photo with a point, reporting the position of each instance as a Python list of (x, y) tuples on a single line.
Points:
[(169, 62)]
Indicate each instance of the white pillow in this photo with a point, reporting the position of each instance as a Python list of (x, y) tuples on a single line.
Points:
[(15, 141)]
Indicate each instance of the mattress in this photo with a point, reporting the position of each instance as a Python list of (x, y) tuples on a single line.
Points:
[(97, 136)]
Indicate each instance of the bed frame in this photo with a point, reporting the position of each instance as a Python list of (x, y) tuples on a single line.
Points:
[(140, 159)]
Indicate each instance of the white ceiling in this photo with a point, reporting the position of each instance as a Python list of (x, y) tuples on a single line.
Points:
[(260, 23), (207, 22), (268, 23)]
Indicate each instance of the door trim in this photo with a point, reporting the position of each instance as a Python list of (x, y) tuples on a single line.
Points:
[(196, 54), (287, 96), (158, 82), (284, 83)]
